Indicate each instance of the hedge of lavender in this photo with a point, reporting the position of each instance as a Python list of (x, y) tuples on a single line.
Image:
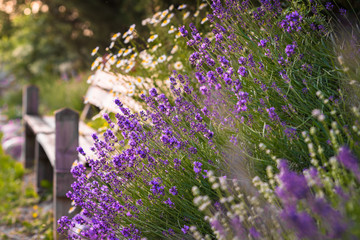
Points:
[(259, 141)]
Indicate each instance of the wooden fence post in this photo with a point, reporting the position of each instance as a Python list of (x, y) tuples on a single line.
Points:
[(66, 142), (43, 168), (30, 104)]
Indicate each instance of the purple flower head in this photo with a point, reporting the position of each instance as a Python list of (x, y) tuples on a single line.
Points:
[(346, 158), (342, 11), (204, 90), (185, 229), (272, 114), (81, 151), (243, 72), (254, 233), (183, 31), (170, 203), (329, 6), (242, 60), (293, 186), (290, 50), (262, 43), (118, 102), (173, 190), (153, 92), (197, 167), (302, 223)]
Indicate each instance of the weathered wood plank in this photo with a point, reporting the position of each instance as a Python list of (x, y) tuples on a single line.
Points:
[(43, 168), (38, 124), (47, 141)]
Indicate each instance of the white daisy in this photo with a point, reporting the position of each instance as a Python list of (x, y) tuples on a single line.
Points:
[(94, 51), (170, 16), (172, 30), (121, 51), (165, 22), (182, 6), (130, 66), (178, 65), (127, 52), (128, 38), (174, 49), (162, 58), (171, 7), (112, 45), (186, 15), (203, 5), (139, 81), (196, 14), (204, 20), (152, 38), (115, 36)]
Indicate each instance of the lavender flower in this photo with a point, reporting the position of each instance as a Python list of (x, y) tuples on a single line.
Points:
[(346, 158)]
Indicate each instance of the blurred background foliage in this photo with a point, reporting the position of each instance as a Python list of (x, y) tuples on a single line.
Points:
[(49, 43)]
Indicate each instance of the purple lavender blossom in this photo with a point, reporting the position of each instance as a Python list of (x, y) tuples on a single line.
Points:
[(170, 203), (185, 229), (293, 186), (290, 50), (302, 223), (183, 31), (173, 190), (243, 72), (272, 114), (197, 167), (242, 60), (346, 158), (262, 43), (329, 6), (153, 92), (342, 12)]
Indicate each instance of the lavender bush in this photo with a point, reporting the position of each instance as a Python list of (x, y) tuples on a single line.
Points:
[(267, 85)]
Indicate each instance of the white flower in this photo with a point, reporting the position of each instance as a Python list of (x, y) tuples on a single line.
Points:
[(133, 56), (196, 14), (112, 45), (142, 92), (174, 49), (94, 51), (121, 63), (186, 15), (162, 58), (165, 22), (154, 48), (170, 16), (132, 28), (171, 7), (129, 67), (172, 30), (128, 38), (202, 6), (127, 52), (145, 21), (152, 38), (178, 65), (121, 51), (130, 93), (178, 35), (204, 20), (112, 60), (163, 14), (139, 81), (115, 36), (182, 6)]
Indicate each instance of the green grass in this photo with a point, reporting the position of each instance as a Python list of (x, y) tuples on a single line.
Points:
[(19, 202)]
